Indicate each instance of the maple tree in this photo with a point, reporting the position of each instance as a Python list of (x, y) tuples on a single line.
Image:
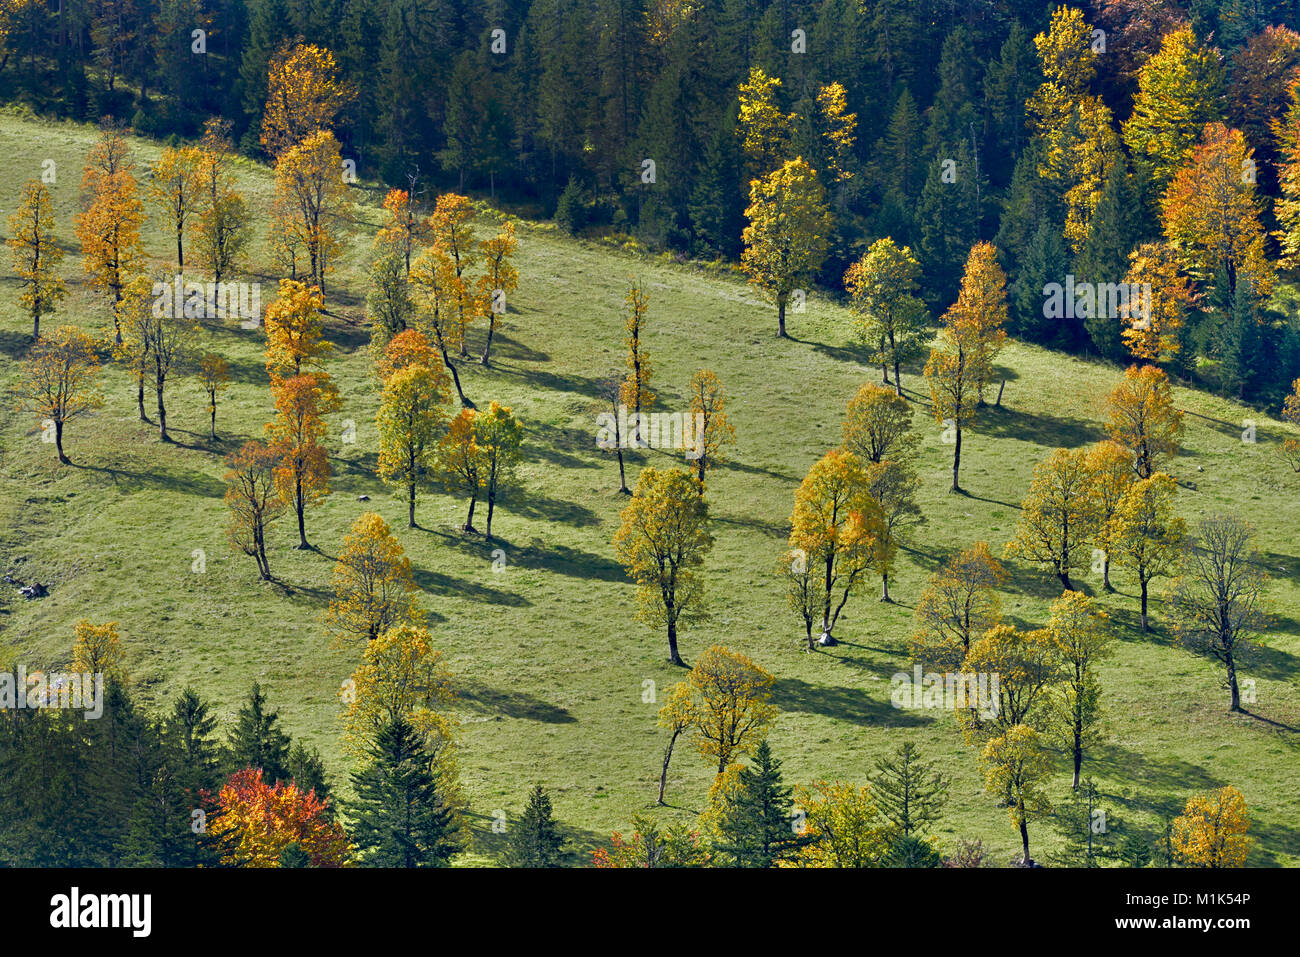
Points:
[(1213, 830), (1059, 517), (764, 130), (214, 377), (882, 286), (459, 461), (1111, 469), (1015, 764), (499, 279), (635, 393), (1078, 628), (223, 215), (1154, 320), (97, 650), (259, 821), (837, 532), (958, 606), (732, 704), (714, 432), (108, 227), (252, 500), (786, 239), (452, 229), (1144, 533), (174, 185), (892, 486), (297, 434), (294, 329), (1143, 419), (677, 716), (372, 583), (878, 425), (842, 826), (405, 228), (59, 381), (304, 95), (410, 422), (498, 435), (432, 274), (36, 253), (662, 539), (170, 340), (312, 207)]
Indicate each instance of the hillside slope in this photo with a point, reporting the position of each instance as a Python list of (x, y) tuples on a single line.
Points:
[(551, 666)]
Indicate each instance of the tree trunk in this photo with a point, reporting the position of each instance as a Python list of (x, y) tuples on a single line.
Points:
[(58, 441), (1232, 682), (1078, 755), (780, 319), (884, 588), (139, 398), (487, 348), (1064, 576), (1145, 626), (898, 380), (213, 410), (301, 505), (410, 504), (1105, 573), (1000, 388), (162, 413), (663, 775), (469, 519), (1024, 834), (180, 249), (956, 462), (492, 501), (622, 477), (455, 377), (673, 654)]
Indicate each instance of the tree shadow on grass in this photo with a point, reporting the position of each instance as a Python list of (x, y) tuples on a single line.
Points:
[(15, 344), (849, 704), (565, 560), (529, 504), (512, 704), (1146, 771), (560, 446), (187, 481), (1051, 431), (437, 583), (507, 347)]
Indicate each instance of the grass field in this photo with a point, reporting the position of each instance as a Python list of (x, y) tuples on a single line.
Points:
[(551, 665)]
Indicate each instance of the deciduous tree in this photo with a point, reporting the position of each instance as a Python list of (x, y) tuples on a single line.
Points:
[(59, 381), (36, 254), (372, 583), (958, 606), (715, 433), (1143, 419), (1059, 517), (252, 499), (1213, 830), (882, 286), (878, 425), (1078, 628), (298, 434), (1144, 533), (410, 422)]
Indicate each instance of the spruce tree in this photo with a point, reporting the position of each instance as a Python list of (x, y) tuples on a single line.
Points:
[(911, 851), (535, 841), (948, 220), (401, 818), (1043, 262), (756, 823), (256, 740), (908, 791), (1084, 828), (1116, 231)]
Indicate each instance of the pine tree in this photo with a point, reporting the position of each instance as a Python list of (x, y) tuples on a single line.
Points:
[(1240, 343), (908, 791), (535, 841), (756, 823), (256, 740), (1117, 228), (401, 819)]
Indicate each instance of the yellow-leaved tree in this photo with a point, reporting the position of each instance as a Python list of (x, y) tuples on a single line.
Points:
[(958, 606), (36, 253), (410, 422), (1143, 419), (661, 542), (713, 432), (763, 128), (59, 381), (1059, 517), (1078, 629), (499, 279), (312, 208), (732, 704), (175, 187), (294, 333), (1144, 534), (108, 227), (1213, 830), (304, 95), (1016, 766), (298, 435), (97, 650), (372, 584), (787, 238)]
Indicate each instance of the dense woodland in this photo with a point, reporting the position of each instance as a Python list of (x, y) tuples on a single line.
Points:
[(933, 166)]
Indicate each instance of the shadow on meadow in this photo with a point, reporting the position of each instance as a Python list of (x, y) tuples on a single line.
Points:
[(1049, 431), (511, 704), (446, 586), (847, 704), (1146, 771)]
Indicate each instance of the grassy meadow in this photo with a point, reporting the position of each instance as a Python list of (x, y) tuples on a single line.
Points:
[(550, 664)]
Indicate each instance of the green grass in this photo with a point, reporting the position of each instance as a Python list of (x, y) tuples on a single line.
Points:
[(550, 663)]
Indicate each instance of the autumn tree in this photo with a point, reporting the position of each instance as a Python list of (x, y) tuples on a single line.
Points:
[(500, 278), (432, 275), (410, 422), (59, 381), (1211, 213), (983, 305), (1217, 600), (405, 229), (312, 207), (498, 436), (108, 227), (459, 462), (403, 677), (838, 530), (714, 432), (958, 606), (214, 377), (175, 187), (786, 240), (763, 128), (838, 128), (1144, 534), (1111, 469), (732, 703), (260, 821), (1015, 764), (1153, 322), (677, 716), (294, 333), (253, 501), (1180, 89), (843, 826), (36, 254), (135, 320), (372, 583), (298, 434), (878, 425), (223, 215), (304, 95), (1059, 515), (452, 229), (97, 650), (1143, 419), (661, 542), (390, 306), (171, 338), (1078, 628), (1028, 666), (635, 391), (1213, 830), (882, 286)]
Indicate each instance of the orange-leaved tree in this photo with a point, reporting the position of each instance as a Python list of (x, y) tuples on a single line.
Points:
[(258, 822), (297, 434), (36, 253)]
